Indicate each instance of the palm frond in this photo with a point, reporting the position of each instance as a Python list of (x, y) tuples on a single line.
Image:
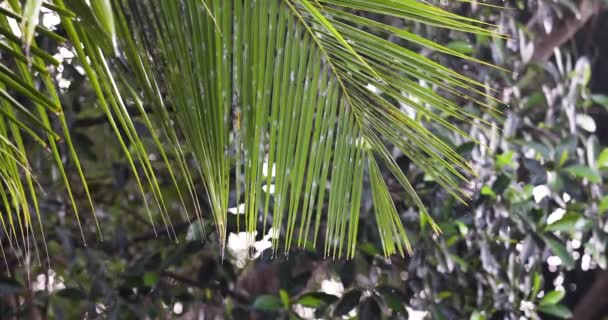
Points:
[(294, 77), (113, 101), (19, 188), (303, 86)]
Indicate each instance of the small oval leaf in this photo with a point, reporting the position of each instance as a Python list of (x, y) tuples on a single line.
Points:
[(316, 299), (552, 297), (584, 172), (268, 302)]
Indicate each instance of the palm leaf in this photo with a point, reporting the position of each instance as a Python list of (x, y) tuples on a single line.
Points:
[(293, 76), (303, 86), (19, 192)]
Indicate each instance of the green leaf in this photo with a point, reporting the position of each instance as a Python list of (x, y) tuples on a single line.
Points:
[(59, 10), (268, 302), (568, 222), (444, 294), (462, 263), (290, 75), (603, 205), (370, 310), (461, 47), (31, 11), (369, 248), (559, 250), (321, 142), (538, 279), (316, 299), (348, 302), (284, 297), (476, 315), (332, 29), (602, 159), (583, 172), (463, 228), (600, 99), (103, 12), (535, 99), (567, 145), (504, 159), (592, 146), (562, 159), (502, 182), (552, 297), (393, 298), (487, 191), (150, 279), (557, 310), (541, 149)]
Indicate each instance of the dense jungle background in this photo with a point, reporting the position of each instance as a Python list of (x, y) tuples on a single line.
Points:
[(530, 243)]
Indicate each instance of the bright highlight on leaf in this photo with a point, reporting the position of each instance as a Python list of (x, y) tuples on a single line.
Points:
[(30, 14)]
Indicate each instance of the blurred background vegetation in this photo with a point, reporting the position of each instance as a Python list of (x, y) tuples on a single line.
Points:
[(530, 244)]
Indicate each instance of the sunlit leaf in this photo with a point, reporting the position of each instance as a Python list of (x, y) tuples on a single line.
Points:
[(558, 311), (584, 172), (268, 302), (31, 11), (552, 297)]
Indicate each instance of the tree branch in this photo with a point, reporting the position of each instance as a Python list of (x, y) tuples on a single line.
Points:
[(544, 46)]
